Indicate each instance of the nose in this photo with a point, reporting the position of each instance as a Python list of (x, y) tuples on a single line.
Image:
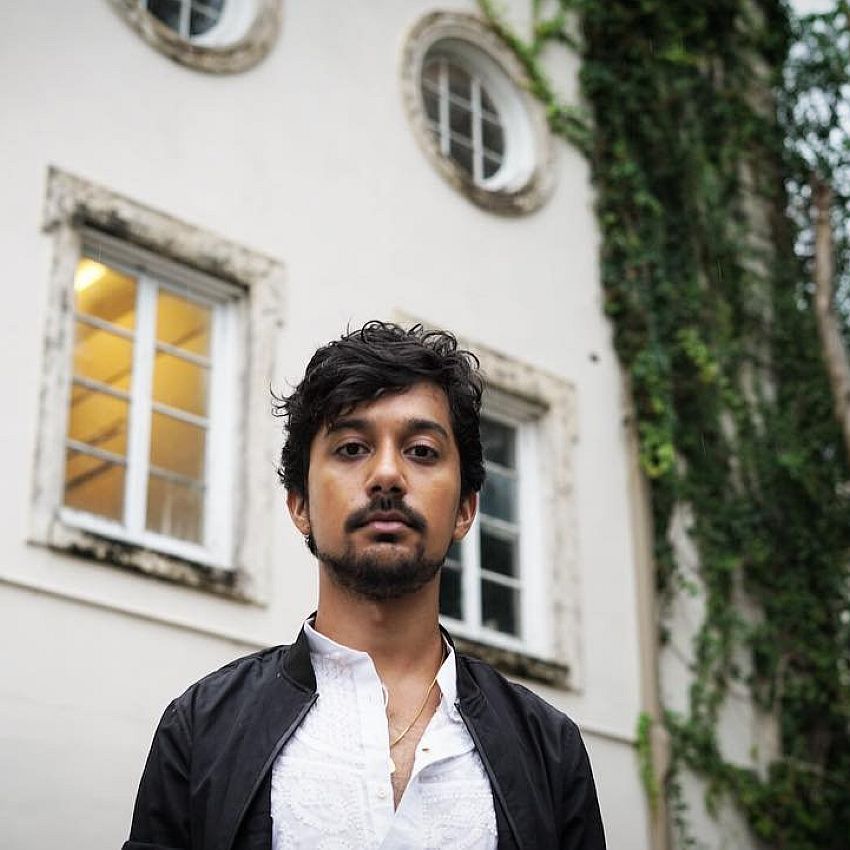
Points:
[(386, 473)]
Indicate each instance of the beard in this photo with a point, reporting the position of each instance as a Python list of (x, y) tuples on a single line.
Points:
[(378, 578)]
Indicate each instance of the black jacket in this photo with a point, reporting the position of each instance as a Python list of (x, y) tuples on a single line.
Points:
[(207, 781)]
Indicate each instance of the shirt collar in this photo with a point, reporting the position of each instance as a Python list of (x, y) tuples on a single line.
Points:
[(322, 645)]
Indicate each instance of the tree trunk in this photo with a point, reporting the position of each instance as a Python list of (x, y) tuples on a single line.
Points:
[(828, 321)]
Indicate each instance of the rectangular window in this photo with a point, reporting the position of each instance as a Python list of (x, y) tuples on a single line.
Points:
[(482, 586), (149, 364)]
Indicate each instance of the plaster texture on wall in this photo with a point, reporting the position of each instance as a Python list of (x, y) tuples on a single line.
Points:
[(307, 158)]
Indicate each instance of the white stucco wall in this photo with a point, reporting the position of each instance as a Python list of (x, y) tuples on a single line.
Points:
[(307, 158)]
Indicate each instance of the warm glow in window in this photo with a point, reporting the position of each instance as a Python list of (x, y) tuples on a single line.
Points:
[(139, 403)]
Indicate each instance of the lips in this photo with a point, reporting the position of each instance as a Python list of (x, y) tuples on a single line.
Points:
[(387, 522)]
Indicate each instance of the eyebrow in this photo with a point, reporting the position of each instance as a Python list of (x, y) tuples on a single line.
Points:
[(412, 426)]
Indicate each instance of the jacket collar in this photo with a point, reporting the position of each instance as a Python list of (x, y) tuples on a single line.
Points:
[(296, 664), (279, 701)]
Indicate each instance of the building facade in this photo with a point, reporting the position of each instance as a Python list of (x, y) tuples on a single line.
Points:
[(197, 195)]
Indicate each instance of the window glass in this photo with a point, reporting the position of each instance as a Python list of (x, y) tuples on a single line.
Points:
[(183, 323), (105, 293), (175, 508), (493, 564), (102, 356), (451, 592), (499, 606), (99, 404), (188, 18), (462, 116), (94, 485), (108, 415), (497, 552), (498, 496), (177, 446), (180, 383)]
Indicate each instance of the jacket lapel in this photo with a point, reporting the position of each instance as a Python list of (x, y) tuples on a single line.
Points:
[(505, 768), (280, 698)]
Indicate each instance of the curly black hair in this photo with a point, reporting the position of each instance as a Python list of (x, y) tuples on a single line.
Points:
[(367, 363)]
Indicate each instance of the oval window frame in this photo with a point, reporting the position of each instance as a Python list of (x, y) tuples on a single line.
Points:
[(256, 32), (528, 183)]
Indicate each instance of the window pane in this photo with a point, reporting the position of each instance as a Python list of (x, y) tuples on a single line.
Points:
[(183, 323), (460, 120), (205, 15), (175, 509), (498, 553), (450, 593), (493, 138), (94, 485), (179, 383), (453, 555), (499, 607), (105, 293), (498, 496), (103, 356), (462, 154), (167, 11), (460, 83), (499, 442), (432, 105), (488, 108), (431, 75), (491, 166), (177, 446), (98, 420)]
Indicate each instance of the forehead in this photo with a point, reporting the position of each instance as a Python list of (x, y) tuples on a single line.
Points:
[(424, 401)]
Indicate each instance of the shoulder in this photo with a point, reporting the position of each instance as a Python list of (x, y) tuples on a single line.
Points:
[(232, 684), (517, 705)]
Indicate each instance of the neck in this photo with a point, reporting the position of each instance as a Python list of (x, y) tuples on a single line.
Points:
[(402, 636)]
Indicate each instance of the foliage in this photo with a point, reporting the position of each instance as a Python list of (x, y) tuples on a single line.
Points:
[(712, 321), (644, 753)]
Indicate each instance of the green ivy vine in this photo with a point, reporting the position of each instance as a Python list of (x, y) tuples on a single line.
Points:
[(700, 143)]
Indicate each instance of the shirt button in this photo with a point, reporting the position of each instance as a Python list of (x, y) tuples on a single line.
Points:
[(382, 793)]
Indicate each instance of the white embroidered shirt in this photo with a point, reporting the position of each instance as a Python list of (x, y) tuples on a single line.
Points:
[(331, 786)]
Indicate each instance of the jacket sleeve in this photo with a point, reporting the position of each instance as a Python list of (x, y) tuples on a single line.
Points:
[(581, 821), (161, 819)]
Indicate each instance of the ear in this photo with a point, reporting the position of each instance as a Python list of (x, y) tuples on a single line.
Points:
[(465, 515), (299, 511)]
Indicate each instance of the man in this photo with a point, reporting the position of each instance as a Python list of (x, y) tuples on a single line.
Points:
[(370, 731)]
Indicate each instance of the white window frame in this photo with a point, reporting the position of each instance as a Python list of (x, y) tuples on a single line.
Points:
[(543, 406), (236, 559), (152, 274), (533, 622)]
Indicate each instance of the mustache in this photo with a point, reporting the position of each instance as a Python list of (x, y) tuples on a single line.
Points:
[(384, 504)]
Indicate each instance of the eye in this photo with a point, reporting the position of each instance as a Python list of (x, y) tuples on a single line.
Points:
[(351, 449), (422, 451)]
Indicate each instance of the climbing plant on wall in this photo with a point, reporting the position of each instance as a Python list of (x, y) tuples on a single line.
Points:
[(711, 309)]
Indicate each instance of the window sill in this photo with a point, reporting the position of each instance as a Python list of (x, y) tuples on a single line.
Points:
[(136, 558), (513, 662)]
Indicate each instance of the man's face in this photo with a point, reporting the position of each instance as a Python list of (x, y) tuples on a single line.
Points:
[(383, 493)]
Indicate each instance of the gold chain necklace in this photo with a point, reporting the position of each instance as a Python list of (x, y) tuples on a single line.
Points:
[(421, 709)]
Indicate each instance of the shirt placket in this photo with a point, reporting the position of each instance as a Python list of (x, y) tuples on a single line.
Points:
[(373, 729)]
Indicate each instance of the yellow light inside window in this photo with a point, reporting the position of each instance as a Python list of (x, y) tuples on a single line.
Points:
[(88, 273)]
